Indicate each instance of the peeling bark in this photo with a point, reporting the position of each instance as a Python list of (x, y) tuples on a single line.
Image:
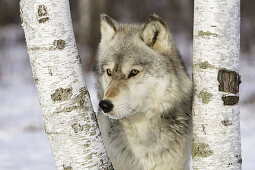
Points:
[(229, 81), (216, 126), (69, 119)]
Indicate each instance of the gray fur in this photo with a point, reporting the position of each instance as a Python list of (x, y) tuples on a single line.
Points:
[(150, 124)]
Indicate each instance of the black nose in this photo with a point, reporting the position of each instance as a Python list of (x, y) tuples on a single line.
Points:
[(106, 105)]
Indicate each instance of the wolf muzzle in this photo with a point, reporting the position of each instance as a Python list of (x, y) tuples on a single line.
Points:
[(106, 105)]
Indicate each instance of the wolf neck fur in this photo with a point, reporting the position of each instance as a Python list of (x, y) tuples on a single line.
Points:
[(140, 126)]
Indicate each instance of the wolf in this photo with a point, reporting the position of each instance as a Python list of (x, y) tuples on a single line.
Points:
[(146, 96)]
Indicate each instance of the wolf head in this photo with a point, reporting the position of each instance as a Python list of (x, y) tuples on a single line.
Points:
[(139, 68)]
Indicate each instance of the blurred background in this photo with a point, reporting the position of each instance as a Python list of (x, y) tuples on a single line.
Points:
[(23, 144)]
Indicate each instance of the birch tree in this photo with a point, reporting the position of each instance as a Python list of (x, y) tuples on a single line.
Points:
[(69, 119), (216, 126)]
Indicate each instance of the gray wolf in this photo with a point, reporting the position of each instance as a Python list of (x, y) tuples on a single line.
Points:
[(146, 97)]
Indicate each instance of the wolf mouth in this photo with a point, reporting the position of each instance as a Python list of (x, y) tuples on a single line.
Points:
[(117, 117)]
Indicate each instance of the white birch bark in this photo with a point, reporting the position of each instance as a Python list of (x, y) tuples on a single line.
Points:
[(69, 119), (216, 127)]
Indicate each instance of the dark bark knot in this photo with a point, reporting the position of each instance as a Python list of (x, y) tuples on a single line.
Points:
[(226, 122), (59, 44), (78, 58), (230, 100), (62, 94), (239, 159), (230, 164), (67, 167), (203, 128), (77, 127), (36, 80), (42, 14), (229, 81), (105, 164)]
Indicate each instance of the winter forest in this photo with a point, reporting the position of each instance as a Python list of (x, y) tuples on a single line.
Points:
[(23, 142)]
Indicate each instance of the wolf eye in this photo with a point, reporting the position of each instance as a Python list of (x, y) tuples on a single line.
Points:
[(109, 72), (133, 73)]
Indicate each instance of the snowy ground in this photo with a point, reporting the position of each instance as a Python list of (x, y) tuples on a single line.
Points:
[(23, 144), (247, 110)]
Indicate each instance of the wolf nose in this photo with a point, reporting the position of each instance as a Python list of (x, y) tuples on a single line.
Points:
[(106, 105)]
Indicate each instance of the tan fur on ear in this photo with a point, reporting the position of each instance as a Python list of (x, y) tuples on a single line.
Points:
[(155, 34), (108, 28)]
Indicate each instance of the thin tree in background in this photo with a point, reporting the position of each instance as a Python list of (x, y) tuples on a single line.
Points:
[(69, 119), (216, 127)]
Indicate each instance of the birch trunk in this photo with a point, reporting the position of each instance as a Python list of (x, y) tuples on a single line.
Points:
[(69, 119), (85, 21), (216, 125)]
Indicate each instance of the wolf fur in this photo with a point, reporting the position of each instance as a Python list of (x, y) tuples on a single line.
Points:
[(149, 126)]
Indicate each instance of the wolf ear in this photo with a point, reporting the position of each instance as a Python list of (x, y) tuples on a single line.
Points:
[(155, 33), (108, 28)]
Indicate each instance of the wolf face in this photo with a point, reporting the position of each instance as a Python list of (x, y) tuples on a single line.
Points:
[(137, 68), (146, 89)]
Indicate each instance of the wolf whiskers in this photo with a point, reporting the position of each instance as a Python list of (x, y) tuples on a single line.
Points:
[(126, 110)]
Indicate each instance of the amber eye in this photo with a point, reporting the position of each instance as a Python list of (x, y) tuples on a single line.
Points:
[(133, 73), (109, 72)]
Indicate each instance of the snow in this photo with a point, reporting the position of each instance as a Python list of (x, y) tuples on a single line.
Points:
[(247, 116), (23, 143), (25, 151)]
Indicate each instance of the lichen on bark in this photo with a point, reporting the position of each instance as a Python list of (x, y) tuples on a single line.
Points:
[(76, 102), (79, 99), (42, 14), (201, 150), (77, 127), (205, 65), (59, 44), (204, 96), (62, 94), (206, 34)]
